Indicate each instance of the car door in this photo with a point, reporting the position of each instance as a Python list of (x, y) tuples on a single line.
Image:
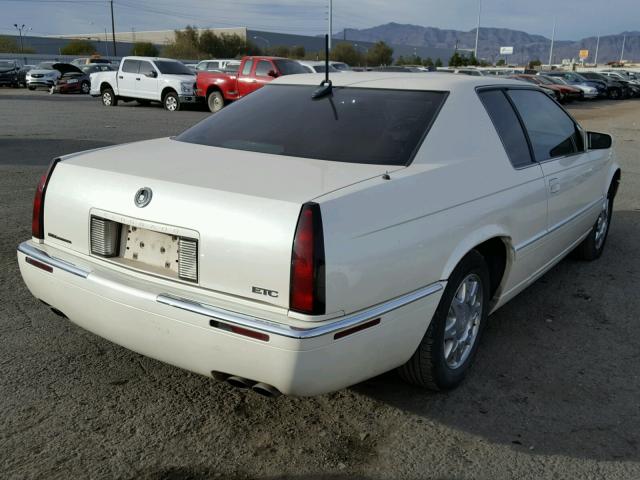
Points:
[(127, 78), (147, 81), (263, 67), (245, 79), (573, 175)]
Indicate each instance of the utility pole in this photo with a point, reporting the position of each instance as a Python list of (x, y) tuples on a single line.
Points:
[(475, 50), (330, 22), (553, 37), (595, 59), (113, 31), (624, 39), (21, 44), (106, 42)]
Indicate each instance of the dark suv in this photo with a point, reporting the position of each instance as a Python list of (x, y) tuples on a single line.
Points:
[(9, 73), (615, 90), (573, 78)]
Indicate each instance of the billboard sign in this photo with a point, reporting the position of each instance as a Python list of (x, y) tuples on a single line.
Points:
[(506, 50), (584, 54)]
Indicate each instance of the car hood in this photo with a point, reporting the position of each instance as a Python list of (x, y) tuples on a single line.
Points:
[(66, 68), (42, 72)]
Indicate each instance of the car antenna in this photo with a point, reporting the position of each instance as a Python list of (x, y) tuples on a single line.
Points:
[(325, 86)]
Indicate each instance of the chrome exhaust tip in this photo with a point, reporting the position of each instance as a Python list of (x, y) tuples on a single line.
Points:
[(220, 376), (266, 390), (239, 382)]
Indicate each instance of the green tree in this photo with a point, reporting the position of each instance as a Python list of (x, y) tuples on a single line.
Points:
[(534, 63), (347, 53), (427, 62), (471, 60), (280, 51), (9, 45), (501, 63), (456, 60), (210, 44), (380, 54), (298, 51), (400, 60), (78, 47), (144, 49), (438, 63), (184, 45)]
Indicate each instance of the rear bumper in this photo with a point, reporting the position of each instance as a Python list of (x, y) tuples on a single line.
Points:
[(152, 320)]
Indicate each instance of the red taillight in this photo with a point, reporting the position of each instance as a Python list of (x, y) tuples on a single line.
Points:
[(37, 221), (307, 263)]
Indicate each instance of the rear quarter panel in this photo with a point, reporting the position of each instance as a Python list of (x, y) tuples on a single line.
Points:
[(384, 238)]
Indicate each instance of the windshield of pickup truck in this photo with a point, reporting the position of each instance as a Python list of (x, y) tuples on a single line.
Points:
[(289, 67), (167, 67), (352, 125), (7, 65)]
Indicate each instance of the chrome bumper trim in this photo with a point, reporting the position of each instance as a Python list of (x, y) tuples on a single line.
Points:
[(41, 256), (267, 326)]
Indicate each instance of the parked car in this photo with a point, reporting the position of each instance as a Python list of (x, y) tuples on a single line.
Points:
[(214, 65), (9, 73), (79, 62), (219, 88), (573, 78), (317, 66), (146, 79), (304, 240), (22, 74), (71, 80), (97, 67), (616, 90), (627, 81), (42, 76), (340, 65), (562, 93), (588, 92)]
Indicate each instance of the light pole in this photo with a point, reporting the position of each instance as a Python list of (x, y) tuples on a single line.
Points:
[(624, 39), (330, 22), (475, 50), (553, 37), (595, 59), (20, 28)]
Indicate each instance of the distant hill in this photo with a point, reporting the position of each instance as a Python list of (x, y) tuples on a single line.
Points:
[(526, 46)]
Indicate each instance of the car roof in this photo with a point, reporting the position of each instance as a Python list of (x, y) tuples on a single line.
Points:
[(400, 80), (151, 58)]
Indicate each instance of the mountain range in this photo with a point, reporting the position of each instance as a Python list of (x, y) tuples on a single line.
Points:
[(526, 46)]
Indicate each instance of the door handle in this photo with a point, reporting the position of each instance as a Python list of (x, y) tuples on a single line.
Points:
[(554, 185), (138, 78), (120, 77)]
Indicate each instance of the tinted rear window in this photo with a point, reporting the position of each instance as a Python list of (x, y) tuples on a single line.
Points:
[(508, 126), (354, 125)]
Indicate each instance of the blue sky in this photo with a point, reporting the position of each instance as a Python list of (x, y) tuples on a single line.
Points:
[(576, 18)]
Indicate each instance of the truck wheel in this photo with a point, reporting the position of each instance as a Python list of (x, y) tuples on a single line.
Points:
[(450, 344), (85, 87), (215, 101), (109, 98), (171, 102), (31, 87)]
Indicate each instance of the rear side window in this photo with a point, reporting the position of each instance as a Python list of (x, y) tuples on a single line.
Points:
[(263, 68), (508, 126), (551, 131), (246, 69), (130, 66), (353, 125)]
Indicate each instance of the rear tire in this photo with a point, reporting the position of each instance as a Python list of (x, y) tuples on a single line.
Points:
[(451, 342), (31, 87), (215, 101), (171, 102), (109, 98)]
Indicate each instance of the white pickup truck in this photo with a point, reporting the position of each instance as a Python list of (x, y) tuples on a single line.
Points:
[(146, 79)]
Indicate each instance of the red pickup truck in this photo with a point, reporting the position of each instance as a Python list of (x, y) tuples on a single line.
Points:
[(218, 88)]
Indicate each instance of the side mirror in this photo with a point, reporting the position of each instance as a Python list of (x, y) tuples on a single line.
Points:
[(599, 141), (152, 74), (273, 73)]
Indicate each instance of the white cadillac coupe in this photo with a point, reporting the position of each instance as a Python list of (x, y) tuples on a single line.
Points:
[(301, 245)]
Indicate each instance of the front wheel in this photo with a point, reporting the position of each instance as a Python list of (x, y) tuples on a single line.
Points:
[(30, 87), (85, 87), (614, 94), (109, 98), (171, 102), (215, 101), (451, 342), (592, 247)]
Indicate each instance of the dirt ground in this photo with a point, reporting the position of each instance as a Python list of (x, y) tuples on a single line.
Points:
[(554, 392)]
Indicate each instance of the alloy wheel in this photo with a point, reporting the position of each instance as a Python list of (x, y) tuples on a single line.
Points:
[(602, 224)]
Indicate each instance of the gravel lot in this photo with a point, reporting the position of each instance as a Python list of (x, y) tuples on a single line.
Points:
[(554, 393)]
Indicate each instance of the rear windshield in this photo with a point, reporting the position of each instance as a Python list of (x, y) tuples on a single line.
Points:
[(353, 125)]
